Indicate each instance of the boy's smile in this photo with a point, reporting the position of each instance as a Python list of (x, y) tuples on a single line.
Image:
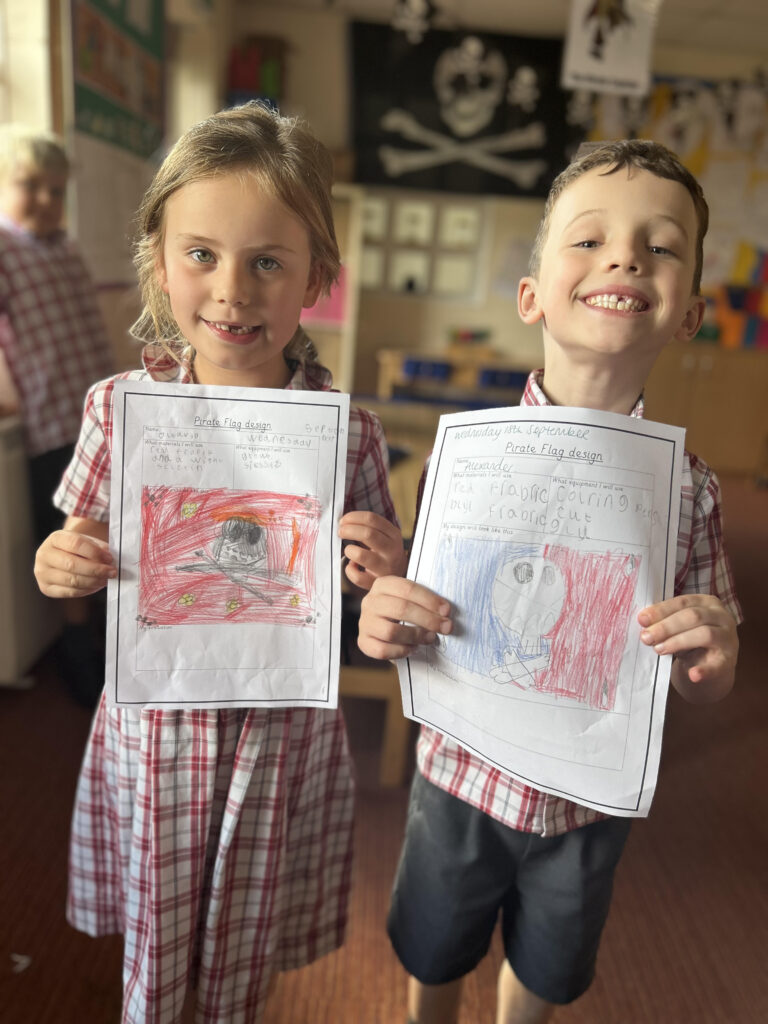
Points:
[(616, 276), (237, 269)]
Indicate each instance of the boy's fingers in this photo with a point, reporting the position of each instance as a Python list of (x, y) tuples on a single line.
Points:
[(397, 610)]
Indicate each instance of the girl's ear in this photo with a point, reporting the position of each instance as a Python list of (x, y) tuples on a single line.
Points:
[(314, 284), (160, 273), (693, 319), (528, 307)]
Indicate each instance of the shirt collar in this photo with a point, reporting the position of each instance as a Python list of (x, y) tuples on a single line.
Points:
[(174, 364), (534, 395)]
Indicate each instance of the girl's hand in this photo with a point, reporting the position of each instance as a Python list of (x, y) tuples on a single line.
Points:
[(701, 634), (376, 548), (73, 564), (391, 603)]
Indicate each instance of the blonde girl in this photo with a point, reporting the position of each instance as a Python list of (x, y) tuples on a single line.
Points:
[(218, 842)]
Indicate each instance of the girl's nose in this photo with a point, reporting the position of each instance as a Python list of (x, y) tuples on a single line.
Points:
[(232, 287)]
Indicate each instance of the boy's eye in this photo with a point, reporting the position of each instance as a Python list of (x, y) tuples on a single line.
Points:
[(266, 263), (660, 250), (587, 243), (201, 256)]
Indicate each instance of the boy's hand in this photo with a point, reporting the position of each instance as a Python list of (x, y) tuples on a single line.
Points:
[(701, 634), (393, 601), (72, 564), (376, 548)]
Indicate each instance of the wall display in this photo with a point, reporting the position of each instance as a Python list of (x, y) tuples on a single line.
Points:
[(118, 51), (459, 112), (409, 271), (420, 243)]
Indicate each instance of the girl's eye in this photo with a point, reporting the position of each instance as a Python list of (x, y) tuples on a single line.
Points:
[(587, 243), (266, 263), (201, 256)]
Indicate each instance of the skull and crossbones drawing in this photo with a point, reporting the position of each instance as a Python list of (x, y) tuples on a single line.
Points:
[(469, 85)]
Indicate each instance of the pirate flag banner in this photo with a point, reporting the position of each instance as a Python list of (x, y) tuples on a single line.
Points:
[(459, 112), (609, 44)]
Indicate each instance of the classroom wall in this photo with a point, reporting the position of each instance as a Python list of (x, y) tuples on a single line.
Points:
[(316, 87)]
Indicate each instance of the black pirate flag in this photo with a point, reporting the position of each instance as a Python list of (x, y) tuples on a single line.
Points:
[(459, 112)]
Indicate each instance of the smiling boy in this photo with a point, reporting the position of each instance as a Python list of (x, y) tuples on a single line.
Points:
[(614, 277)]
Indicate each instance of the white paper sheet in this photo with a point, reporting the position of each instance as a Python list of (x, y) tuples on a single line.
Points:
[(224, 510), (549, 529)]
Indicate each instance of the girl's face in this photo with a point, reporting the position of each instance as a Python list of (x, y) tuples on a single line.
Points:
[(236, 266)]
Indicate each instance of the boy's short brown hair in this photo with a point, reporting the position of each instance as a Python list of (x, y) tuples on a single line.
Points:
[(642, 154)]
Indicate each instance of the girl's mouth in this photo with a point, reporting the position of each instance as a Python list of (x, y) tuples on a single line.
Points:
[(232, 331)]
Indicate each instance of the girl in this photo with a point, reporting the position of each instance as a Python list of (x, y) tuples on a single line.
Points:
[(219, 842)]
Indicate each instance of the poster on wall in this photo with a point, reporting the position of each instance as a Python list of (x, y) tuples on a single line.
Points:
[(458, 112), (118, 48)]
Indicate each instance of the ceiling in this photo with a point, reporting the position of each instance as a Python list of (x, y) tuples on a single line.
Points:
[(732, 26)]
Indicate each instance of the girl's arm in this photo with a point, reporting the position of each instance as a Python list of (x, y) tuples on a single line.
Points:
[(75, 561)]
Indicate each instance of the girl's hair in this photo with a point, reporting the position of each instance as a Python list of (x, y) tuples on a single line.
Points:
[(639, 153), (21, 146), (285, 159)]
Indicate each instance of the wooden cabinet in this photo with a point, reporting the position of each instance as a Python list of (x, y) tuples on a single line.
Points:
[(721, 397), (332, 324)]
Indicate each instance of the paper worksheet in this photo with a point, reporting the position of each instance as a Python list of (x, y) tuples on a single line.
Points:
[(548, 530), (223, 522)]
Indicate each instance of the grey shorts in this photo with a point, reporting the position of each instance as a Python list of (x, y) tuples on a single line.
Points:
[(460, 869)]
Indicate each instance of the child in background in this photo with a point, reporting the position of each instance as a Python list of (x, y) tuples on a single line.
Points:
[(615, 276), (219, 841), (53, 345)]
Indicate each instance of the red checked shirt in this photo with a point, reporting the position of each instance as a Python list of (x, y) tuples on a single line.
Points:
[(702, 567), (55, 342), (219, 843)]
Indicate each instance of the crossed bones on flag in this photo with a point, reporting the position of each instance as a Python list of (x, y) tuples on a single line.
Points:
[(478, 153)]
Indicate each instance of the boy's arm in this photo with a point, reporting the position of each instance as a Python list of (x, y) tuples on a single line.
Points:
[(700, 633), (75, 561)]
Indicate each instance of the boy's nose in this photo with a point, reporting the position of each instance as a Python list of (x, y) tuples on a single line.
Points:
[(624, 256)]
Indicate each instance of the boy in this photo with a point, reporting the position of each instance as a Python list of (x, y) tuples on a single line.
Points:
[(53, 345), (615, 276)]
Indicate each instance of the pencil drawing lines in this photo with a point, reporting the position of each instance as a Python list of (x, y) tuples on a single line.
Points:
[(219, 555)]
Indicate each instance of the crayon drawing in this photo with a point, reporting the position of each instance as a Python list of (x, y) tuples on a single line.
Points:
[(222, 556), (531, 616)]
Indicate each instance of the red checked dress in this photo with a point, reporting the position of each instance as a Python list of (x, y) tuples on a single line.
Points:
[(219, 843)]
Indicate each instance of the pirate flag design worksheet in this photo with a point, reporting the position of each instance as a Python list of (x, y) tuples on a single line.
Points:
[(223, 522), (548, 530)]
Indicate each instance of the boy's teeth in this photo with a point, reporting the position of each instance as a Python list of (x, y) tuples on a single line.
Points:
[(620, 302)]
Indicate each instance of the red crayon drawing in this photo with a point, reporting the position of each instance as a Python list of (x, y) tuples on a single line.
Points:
[(219, 555)]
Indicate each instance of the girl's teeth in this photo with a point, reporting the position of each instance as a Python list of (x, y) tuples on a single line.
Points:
[(234, 330), (620, 302)]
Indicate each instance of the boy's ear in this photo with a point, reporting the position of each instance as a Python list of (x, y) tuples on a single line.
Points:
[(528, 308), (314, 283), (694, 316)]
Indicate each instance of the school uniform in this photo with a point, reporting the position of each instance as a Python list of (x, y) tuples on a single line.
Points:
[(218, 842)]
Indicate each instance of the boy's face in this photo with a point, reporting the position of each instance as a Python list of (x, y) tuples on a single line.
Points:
[(33, 199), (617, 267)]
